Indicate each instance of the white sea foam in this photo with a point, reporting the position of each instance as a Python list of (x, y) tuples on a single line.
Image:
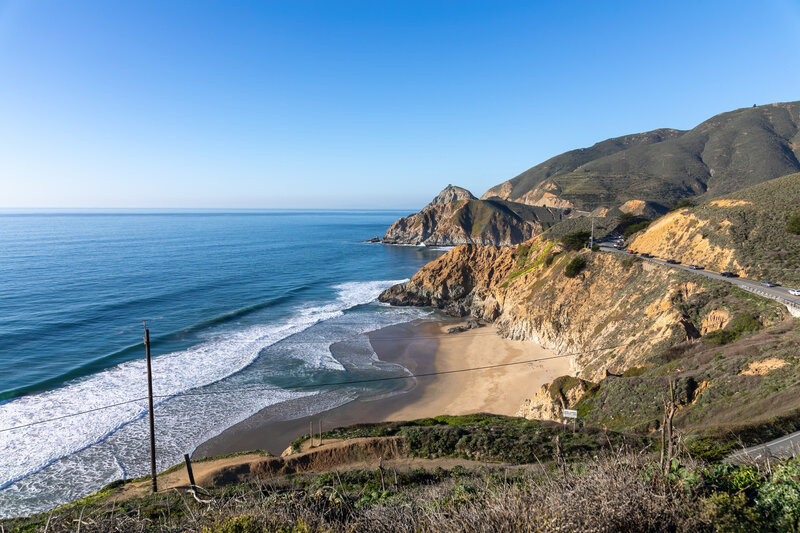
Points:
[(81, 453)]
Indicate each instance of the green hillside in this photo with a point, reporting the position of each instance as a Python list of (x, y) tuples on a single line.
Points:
[(726, 153)]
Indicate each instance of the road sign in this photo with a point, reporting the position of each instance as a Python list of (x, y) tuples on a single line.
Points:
[(570, 413)]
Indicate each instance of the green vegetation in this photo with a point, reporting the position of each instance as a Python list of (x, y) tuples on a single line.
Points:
[(633, 228), (524, 255), (576, 241), (742, 323), (683, 204), (614, 490), (629, 261), (575, 267), (793, 225), (485, 437), (749, 146)]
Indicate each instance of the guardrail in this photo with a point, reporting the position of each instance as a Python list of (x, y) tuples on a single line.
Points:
[(793, 308)]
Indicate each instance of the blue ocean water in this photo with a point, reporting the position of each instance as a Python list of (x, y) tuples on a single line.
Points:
[(242, 309)]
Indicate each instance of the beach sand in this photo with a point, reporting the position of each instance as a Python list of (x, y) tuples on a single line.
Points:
[(489, 390), (424, 348)]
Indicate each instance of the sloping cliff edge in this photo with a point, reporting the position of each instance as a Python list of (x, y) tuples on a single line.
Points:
[(607, 318)]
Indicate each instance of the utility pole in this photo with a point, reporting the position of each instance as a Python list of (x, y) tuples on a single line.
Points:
[(150, 400), (591, 239)]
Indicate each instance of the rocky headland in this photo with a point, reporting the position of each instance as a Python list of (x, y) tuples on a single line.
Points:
[(455, 217)]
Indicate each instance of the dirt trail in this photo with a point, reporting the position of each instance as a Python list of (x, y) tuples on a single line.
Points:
[(361, 453)]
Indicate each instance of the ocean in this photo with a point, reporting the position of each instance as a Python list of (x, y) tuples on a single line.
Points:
[(242, 309)]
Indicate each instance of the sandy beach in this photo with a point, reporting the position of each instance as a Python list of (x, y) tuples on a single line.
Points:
[(489, 390), (424, 348)]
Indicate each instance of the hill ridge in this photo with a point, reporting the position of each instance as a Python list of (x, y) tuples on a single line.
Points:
[(727, 152)]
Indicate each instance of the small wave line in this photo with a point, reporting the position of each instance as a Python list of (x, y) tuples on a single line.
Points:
[(312, 385)]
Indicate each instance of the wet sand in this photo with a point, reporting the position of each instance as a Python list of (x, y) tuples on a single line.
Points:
[(423, 348)]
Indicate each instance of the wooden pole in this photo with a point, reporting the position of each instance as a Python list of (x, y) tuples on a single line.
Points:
[(189, 469), (150, 403), (311, 432)]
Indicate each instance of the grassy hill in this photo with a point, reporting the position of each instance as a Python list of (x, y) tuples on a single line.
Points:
[(748, 231), (611, 487), (726, 153)]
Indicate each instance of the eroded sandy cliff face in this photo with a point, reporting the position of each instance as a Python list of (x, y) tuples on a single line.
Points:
[(683, 236), (746, 232), (609, 316), (623, 323)]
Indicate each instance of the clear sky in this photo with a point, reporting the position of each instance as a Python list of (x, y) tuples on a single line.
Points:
[(373, 104)]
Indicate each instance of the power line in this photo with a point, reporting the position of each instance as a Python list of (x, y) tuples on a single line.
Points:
[(73, 414), (312, 385), (285, 340)]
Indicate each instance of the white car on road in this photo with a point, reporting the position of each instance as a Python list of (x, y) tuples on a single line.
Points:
[(794, 292)]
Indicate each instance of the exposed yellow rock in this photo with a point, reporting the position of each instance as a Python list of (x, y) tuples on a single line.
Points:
[(730, 203), (501, 191), (552, 398), (765, 366), (634, 207), (715, 320), (545, 199), (627, 308), (680, 236)]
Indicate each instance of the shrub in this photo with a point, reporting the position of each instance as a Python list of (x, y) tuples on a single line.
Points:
[(682, 204), (576, 241), (732, 513), (626, 219), (238, 524), (629, 261), (633, 228), (741, 323), (634, 371), (793, 226), (780, 497), (574, 267)]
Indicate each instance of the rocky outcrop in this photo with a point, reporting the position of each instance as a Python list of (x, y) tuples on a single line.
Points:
[(715, 320), (641, 208), (552, 398), (456, 217), (451, 193), (610, 316)]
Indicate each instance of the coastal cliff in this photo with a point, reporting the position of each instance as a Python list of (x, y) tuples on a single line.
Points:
[(627, 326), (455, 217), (610, 315)]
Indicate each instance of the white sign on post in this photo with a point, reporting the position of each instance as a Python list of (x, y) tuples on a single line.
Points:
[(570, 413)]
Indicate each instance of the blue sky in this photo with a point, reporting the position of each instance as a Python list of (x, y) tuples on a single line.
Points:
[(342, 104)]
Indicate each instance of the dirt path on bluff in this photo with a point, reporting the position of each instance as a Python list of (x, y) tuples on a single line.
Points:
[(351, 454)]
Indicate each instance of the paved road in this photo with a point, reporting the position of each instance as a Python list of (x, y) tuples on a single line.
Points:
[(778, 293), (788, 445)]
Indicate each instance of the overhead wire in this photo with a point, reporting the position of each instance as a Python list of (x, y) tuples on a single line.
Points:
[(308, 385)]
